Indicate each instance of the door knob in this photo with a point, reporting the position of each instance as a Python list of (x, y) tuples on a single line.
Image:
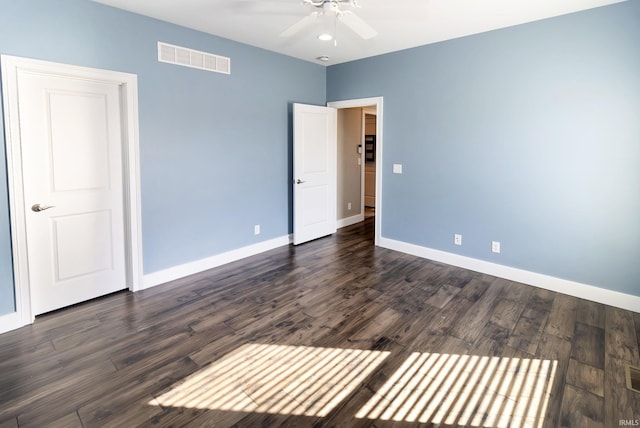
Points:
[(37, 207), (298, 181)]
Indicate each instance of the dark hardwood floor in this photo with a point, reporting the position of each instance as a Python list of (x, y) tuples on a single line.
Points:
[(335, 332)]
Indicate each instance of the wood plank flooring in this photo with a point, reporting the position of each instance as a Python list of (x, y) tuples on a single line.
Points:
[(335, 332)]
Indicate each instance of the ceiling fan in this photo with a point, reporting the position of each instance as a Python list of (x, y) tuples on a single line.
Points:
[(337, 9)]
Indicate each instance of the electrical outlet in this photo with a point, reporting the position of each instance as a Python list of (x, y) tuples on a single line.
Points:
[(457, 239), (256, 229), (349, 206), (495, 246)]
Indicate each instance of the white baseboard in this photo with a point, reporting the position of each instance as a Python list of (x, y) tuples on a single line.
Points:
[(10, 321), (160, 277), (576, 289), (349, 221), (629, 302)]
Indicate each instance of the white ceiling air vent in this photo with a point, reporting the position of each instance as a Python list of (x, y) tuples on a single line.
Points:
[(192, 58)]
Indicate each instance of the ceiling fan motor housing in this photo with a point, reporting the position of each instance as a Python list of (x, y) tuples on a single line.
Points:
[(330, 8)]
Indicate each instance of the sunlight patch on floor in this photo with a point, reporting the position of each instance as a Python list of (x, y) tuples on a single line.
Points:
[(465, 390), (291, 380)]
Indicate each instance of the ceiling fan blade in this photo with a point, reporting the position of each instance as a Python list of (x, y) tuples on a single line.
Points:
[(357, 25), (304, 22)]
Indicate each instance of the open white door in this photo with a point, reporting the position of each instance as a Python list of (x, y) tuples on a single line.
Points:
[(314, 172)]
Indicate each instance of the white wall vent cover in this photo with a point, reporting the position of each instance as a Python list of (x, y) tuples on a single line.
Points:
[(191, 58)]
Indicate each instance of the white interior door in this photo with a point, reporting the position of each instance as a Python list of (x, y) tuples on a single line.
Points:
[(314, 172), (71, 133)]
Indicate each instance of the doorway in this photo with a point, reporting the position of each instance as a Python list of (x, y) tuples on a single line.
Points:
[(73, 183), (357, 152)]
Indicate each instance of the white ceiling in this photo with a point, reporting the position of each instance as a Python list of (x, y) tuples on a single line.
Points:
[(401, 24)]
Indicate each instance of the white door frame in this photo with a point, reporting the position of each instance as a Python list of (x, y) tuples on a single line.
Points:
[(11, 68), (366, 102)]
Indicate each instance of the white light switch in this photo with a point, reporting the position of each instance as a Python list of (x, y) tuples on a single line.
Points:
[(397, 168)]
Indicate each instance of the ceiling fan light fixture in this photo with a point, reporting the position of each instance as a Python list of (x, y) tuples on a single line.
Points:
[(336, 9), (325, 37)]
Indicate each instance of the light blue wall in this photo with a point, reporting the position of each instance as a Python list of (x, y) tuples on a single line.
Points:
[(528, 135), (215, 149)]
